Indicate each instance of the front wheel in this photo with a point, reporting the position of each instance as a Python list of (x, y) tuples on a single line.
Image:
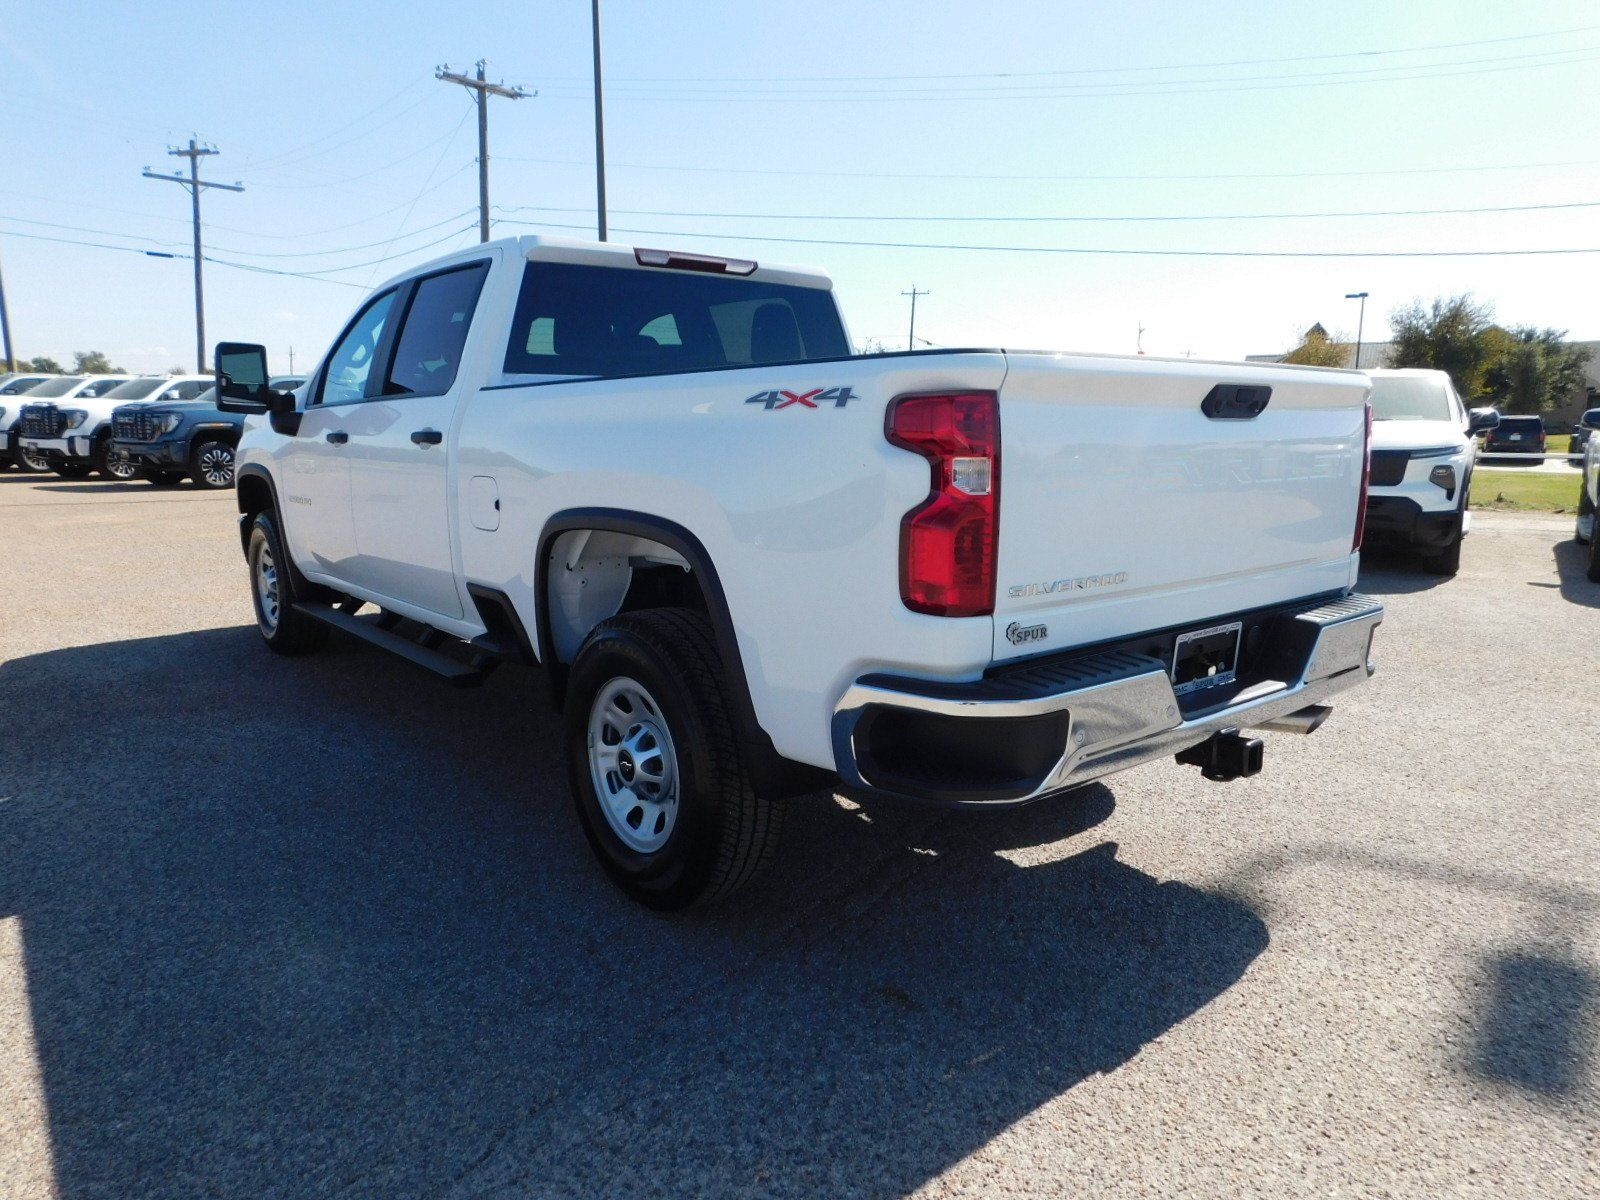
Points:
[(1594, 552), (213, 465), (109, 465), (272, 589), (661, 789), (31, 461)]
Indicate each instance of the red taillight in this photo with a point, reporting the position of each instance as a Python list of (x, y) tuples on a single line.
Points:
[(948, 542), (1366, 478)]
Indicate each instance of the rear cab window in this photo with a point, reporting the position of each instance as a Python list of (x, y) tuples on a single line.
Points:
[(592, 321)]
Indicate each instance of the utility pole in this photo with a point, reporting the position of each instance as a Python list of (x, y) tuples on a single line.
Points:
[(599, 127), (482, 90), (911, 340), (291, 360), (10, 363), (194, 153), (1361, 320)]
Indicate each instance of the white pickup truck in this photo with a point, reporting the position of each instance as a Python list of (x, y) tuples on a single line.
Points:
[(754, 565)]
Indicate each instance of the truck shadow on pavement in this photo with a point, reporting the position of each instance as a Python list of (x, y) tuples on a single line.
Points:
[(293, 928), (1389, 572), (1572, 565)]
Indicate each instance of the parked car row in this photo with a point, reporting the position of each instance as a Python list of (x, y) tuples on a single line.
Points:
[(160, 428)]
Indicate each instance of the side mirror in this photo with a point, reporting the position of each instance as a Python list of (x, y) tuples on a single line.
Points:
[(1591, 419), (1481, 420), (242, 380)]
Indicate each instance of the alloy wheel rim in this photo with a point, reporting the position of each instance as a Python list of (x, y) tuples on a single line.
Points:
[(35, 461), (120, 468), (633, 765), (216, 464), (267, 588)]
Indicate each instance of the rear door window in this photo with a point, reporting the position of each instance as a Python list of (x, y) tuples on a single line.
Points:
[(573, 319), (427, 353)]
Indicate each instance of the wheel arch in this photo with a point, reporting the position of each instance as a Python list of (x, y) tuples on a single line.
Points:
[(777, 775)]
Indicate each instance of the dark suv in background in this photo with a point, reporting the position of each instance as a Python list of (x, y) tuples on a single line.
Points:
[(166, 441), (1516, 435)]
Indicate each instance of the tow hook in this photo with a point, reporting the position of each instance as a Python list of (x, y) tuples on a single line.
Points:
[(1225, 755)]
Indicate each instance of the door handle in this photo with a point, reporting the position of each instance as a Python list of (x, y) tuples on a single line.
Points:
[(427, 437), (338, 437)]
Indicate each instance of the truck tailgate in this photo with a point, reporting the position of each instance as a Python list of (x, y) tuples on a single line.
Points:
[(1124, 508)]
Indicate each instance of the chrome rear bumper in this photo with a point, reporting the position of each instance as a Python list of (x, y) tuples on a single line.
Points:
[(1104, 710)]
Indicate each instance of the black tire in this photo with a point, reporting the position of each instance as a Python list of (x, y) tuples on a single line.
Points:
[(107, 467), (1585, 508), (284, 630), (1448, 561), (211, 464), (72, 470), (37, 466), (164, 478), (722, 834), (1594, 555)]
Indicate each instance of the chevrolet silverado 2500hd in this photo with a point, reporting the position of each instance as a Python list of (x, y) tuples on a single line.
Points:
[(753, 564)]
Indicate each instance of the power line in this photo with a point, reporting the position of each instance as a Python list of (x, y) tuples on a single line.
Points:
[(1238, 62), (194, 152), (1083, 250), (295, 153), (1164, 88), (830, 173), (451, 220), (1074, 219), (922, 85), (221, 262)]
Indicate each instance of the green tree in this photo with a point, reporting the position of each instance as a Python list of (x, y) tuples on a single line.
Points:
[(1317, 349), (1532, 370), (1450, 333), (93, 362), (43, 365)]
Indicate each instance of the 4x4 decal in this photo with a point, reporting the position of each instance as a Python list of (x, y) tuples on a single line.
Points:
[(772, 401)]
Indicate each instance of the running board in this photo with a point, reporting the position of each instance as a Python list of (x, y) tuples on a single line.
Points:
[(380, 633)]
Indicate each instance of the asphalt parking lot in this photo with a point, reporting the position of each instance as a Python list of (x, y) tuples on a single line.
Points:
[(326, 928)]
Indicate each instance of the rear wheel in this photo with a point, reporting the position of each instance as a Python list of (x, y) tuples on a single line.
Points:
[(661, 788), (273, 592), (213, 465)]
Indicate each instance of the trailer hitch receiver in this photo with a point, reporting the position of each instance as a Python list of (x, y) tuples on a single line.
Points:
[(1225, 755)]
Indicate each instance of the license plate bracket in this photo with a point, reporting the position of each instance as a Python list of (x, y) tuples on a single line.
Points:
[(1205, 658)]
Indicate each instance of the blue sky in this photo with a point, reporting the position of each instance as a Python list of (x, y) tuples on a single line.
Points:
[(351, 151)]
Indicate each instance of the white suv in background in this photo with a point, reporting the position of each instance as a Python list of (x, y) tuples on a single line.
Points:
[(1422, 454)]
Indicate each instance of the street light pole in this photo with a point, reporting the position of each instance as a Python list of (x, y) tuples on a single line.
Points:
[(9, 363), (599, 128), (1361, 320)]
